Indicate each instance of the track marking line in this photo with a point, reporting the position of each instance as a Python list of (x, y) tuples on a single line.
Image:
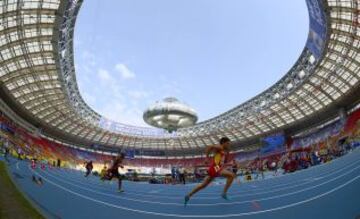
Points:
[(210, 204), (204, 216), (268, 189), (69, 181)]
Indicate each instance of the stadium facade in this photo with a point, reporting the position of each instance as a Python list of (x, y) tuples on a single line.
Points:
[(39, 91)]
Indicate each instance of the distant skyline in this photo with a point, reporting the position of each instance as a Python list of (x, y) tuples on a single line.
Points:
[(212, 55)]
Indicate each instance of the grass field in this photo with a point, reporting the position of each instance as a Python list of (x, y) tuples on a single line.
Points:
[(12, 203)]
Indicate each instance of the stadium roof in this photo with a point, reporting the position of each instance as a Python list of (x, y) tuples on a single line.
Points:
[(38, 81)]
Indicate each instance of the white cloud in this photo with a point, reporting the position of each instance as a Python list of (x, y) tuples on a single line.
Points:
[(125, 72), (123, 113), (103, 75), (89, 58), (107, 92), (138, 94), (116, 102)]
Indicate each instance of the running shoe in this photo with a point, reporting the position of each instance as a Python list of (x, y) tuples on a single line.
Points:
[(186, 200), (224, 196)]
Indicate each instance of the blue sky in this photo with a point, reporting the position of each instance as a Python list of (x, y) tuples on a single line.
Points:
[(210, 54)]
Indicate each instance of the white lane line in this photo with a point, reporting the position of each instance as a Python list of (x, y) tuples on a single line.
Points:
[(203, 195), (249, 192), (209, 204), (204, 216), (252, 190), (241, 193), (234, 195), (317, 178)]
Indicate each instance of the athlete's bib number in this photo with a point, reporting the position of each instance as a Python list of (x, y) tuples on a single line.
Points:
[(217, 168)]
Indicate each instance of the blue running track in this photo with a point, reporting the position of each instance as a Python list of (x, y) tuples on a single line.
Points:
[(330, 190)]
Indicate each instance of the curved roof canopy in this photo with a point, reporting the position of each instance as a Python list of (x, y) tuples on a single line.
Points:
[(38, 80)]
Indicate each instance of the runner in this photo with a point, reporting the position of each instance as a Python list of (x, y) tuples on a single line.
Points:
[(113, 171), (89, 167), (216, 169)]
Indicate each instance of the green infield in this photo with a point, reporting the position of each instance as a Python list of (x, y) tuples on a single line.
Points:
[(12, 202)]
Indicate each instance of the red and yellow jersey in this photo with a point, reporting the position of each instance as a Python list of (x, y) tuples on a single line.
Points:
[(217, 164), (219, 158)]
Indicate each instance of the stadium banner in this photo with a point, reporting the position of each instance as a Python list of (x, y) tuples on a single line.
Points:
[(5, 127), (352, 121), (95, 146), (273, 144), (318, 27), (149, 153), (129, 153), (320, 135)]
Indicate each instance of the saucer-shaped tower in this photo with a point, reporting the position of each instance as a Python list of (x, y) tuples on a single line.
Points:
[(170, 114)]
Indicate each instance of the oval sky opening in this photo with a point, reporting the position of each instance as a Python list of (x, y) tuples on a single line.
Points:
[(212, 55)]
